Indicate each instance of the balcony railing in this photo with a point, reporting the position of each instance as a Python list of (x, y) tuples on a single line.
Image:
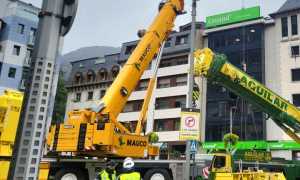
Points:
[(27, 62), (31, 40)]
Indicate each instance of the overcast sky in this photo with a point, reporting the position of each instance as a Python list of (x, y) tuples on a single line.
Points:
[(111, 22)]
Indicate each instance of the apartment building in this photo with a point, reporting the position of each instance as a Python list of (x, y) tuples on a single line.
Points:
[(92, 76), (283, 63), (16, 42)]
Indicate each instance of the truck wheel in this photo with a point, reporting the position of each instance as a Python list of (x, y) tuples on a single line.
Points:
[(157, 174), (70, 174)]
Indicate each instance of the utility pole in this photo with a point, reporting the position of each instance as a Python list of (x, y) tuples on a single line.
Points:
[(189, 103), (55, 20)]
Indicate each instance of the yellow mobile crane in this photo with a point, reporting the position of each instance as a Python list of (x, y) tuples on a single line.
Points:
[(98, 128), (10, 108), (216, 68), (95, 131)]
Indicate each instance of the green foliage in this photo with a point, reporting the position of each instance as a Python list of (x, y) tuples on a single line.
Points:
[(60, 101), (153, 137), (175, 154), (230, 141)]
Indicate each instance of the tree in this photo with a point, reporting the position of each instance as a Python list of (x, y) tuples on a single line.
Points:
[(230, 142), (60, 100)]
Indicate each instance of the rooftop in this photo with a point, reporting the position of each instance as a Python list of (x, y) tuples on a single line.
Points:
[(289, 5)]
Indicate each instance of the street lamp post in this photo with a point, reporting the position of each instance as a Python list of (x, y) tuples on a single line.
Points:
[(189, 103), (231, 117)]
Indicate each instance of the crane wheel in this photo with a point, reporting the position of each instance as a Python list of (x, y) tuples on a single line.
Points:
[(70, 174), (157, 174)]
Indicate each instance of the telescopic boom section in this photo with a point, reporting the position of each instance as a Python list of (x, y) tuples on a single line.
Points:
[(216, 68), (116, 96)]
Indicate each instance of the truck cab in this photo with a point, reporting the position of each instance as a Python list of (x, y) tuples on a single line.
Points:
[(221, 162)]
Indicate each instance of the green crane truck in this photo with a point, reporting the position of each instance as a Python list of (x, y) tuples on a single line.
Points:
[(215, 67)]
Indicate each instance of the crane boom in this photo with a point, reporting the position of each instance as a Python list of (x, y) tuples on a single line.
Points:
[(116, 96), (216, 68)]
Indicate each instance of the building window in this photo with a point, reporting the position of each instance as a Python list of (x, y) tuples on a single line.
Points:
[(29, 125), (296, 74), (33, 161), (39, 125), (142, 86), (35, 151), (36, 143), (16, 50), (296, 99), (90, 76), (133, 106), (181, 40), (164, 82), (181, 80), (78, 97), (168, 43), (295, 51), (20, 28), (90, 95), (22, 160), (102, 93), (43, 101), (284, 27), (294, 23), (161, 125), (24, 151), (32, 170), (12, 72), (32, 32), (32, 36), (173, 61), (170, 102), (115, 71), (38, 134), (129, 49), (26, 142), (27, 133), (78, 78), (21, 170)]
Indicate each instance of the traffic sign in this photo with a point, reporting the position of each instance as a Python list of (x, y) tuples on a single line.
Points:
[(194, 147), (69, 13), (189, 129)]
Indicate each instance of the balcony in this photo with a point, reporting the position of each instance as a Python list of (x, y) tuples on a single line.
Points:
[(168, 136), (128, 116), (167, 113)]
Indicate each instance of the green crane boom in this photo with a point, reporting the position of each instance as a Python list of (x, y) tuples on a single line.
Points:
[(215, 67)]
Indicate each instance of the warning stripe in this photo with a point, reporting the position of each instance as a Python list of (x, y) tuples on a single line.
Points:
[(205, 172)]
